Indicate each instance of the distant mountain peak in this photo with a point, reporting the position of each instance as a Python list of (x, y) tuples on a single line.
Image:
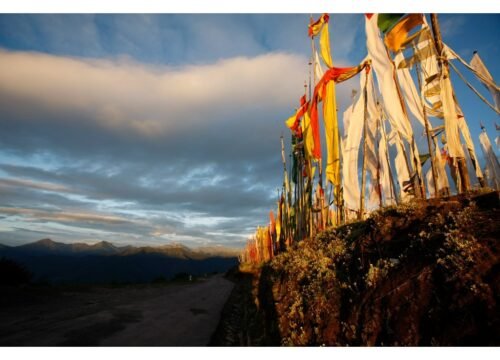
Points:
[(104, 244), (45, 241), (174, 246)]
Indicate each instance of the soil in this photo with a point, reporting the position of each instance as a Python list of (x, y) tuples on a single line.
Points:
[(242, 324)]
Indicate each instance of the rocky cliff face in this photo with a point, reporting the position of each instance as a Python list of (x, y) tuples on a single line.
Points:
[(419, 274)]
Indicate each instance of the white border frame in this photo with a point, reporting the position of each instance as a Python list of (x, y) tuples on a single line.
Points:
[(248, 6)]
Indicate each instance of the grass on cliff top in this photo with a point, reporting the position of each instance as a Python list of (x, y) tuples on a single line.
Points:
[(421, 273)]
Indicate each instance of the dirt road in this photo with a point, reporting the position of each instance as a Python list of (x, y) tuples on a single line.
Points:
[(173, 315)]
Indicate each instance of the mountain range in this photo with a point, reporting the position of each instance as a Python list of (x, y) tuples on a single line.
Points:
[(50, 247), (104, 262)]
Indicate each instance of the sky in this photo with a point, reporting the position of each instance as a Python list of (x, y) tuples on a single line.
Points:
[(161, 128)]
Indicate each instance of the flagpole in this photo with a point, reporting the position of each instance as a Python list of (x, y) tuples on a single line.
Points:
[(427, 131), (412, 143), (305, 204), (298, 195), (377, 137), (320, 164), (290, 170), (278, 218), (443, 65), (285, 174), (363, 166), (393, 186), (299, 181), (339, 191), (383, 133)]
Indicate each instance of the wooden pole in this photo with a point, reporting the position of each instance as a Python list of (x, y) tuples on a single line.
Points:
[(290, 203), (418, 184), (279, 217), (363, 166), (383, 116), (286, 188), (298, 197), (299, 193), (320, 165), (378, 163), (443, 65), (427, 131), (305, 204), (388, 159), (378, 135)]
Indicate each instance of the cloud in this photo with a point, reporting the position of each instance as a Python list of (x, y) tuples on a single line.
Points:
[(151, 211), (157, 190), (63, 216), (116, 108), (151, 101), (34, 185)]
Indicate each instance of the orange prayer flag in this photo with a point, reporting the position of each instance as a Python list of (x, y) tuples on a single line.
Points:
[(338, 75), (399, 32), (293, 121), (315, 27), (316, 150)]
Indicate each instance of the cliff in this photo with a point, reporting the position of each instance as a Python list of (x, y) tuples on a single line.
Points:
[(424, 273)]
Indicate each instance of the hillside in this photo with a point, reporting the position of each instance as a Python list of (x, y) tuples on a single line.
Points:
[(418, 274)]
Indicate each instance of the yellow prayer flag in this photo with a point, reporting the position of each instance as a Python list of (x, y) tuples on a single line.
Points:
[(290, 121), (324, 46), (331, 134)]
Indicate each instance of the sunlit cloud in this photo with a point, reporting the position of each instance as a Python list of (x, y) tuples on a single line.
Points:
[(147, 100), (63, 216), (34, 185)]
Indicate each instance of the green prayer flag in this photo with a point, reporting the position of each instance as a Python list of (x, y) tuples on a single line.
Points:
[(386, 21)]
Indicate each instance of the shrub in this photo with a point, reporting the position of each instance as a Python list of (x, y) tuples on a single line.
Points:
[(13, 273)]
